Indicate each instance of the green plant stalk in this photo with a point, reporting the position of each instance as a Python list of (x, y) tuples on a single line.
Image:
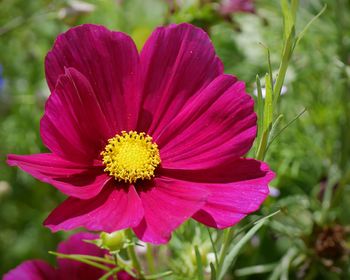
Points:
[(232, 255), (256, 269), (213, 247), (93, 258), (111, 273), (158, 275), (228, 234), (132, 255), (200, 271), (80, 259), (150, 259)]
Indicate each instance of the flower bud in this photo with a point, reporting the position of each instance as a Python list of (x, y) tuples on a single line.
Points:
[(112, 241)]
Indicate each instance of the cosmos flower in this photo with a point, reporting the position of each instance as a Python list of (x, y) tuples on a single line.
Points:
[(235, 6), (66, 269), (146, 141)]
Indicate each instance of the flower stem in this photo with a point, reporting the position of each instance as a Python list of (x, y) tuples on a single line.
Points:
[(80, 259), (132, 255), (150, 259), (214, 248), (224, 247)]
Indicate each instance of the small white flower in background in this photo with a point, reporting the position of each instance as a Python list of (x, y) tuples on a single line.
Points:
[(263, 91), (141, 247), (75, 8), (255, 241), (210, 259), (274, 192), (5, 188)]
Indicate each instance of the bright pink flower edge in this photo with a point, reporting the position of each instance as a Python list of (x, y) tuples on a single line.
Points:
[(66, 269), (175, 90)]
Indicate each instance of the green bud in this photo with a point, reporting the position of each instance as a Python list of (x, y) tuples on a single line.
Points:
[(113, 241)]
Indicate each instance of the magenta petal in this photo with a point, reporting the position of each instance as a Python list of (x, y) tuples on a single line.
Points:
[(108, 60), (216, 126), (76, 245), (116, 207), (236, 189), (177, 62), (32, 270), (74, 125), (167, 204), (123, 275), (70, 178)]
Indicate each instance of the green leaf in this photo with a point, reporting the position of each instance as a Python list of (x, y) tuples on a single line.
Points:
[(82, 259), (256, 269), (268, 107), (288, 18), (213, 272), (307, 26), (232, 255), (213, 247), (159, 275), (286, 55), (110, 273), (274, 137), (262, 146), (199, 263), (260, 108), (281, 270), (273, 131)]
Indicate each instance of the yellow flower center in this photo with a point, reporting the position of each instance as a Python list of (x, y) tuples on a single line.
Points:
[(130, 156)]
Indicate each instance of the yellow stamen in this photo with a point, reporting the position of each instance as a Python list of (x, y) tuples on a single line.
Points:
[(130, 156)]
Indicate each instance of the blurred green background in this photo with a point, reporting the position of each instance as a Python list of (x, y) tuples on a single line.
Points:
[(311, 156)]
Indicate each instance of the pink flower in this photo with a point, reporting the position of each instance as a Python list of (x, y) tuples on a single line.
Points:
[(236, 6), (146, 141), (67, 269)]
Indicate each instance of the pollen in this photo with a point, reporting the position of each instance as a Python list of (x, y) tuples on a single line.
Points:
[(130, 156)]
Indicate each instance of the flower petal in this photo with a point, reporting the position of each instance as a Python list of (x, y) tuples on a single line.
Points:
[(116, 207), (32, 270), (77, 270), (167, 204), (177, 62), (236, 189), (74, 126), (108, 60), (216, 126), (70, 178)]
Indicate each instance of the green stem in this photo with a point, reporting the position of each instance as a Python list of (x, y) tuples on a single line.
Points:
[(80, 259), (93, 258), (132, 255), (150, 259), (224, 247), (214, 249), (113, 272)]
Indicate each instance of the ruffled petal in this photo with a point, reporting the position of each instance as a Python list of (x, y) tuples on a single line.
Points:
[(109, 60), (236, 189), (74, 125), (32, 270), (216, 126), (116, 207), (167, 204), (70, 178), (177, 62), (70, 269)]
